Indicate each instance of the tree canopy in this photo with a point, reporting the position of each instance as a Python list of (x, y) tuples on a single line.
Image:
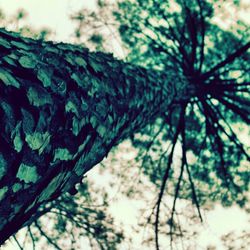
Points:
[(189, 39), (182, 40)]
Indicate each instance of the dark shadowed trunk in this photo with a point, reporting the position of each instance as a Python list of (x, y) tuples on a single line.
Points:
[(62, 109)]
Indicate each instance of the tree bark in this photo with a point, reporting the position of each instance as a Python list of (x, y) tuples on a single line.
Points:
[(62, 108)]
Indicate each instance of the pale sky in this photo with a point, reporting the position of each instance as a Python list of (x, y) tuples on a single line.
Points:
[(55, 15), (48, 13)]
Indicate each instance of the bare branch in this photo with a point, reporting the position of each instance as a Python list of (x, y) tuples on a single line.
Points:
[(165, 178), (32, 238), (243, 113), (202, 36), (17, 242), (233, 137), (49, 240), (228, 60), (194, 196)]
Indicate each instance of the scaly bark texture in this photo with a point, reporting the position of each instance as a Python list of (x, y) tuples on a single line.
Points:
[(62, 108)]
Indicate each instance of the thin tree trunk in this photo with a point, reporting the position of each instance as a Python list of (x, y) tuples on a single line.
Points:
[(62, 109)]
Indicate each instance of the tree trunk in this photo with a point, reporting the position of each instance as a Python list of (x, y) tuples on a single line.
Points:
[(62, 108)]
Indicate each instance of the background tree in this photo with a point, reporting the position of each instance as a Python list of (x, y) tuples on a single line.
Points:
[(185, 37), (188, 41), (57, 123)]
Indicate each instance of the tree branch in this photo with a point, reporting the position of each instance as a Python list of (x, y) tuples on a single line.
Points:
[(165, 178), (49, 240), (228, 60)]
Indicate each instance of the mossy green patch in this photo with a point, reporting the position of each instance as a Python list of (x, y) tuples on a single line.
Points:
[(4, 43), (45, 75), (21, 45), (77, 79), (101, 130), (38, 141), (27, 173), (8, 79), (62, 154), (9, 60), (71, 107), (38, 98), (80, 61), (3, 192), (27, 62), (77, 125), (16, 136), (97, 67), (16, 187), (93, 121)]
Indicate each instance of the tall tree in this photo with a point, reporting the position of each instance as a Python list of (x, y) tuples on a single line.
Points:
[(187, 37), (175, 61), (85, 213), (62, 110)]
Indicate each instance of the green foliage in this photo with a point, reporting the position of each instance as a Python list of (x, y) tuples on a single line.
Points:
[(182, 37), (185, 39), (96, 38), (78, 218)]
